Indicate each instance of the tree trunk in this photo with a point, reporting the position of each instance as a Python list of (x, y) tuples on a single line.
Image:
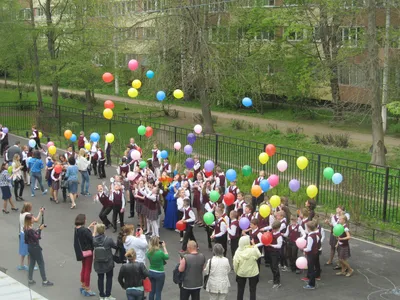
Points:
[(385, 82), (90, 100), (36, 62), (378, 144), (334, 83)]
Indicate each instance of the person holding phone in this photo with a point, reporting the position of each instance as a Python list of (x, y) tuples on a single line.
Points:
[(137, 242), (158, 258)]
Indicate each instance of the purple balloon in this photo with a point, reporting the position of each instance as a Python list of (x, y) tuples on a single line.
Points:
[(294, 185), (188, 149), (244, 223), (191, 138), (209, 165), (5, 129), (189, 163)]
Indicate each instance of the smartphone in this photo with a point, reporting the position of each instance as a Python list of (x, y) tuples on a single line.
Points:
[(137, 229)]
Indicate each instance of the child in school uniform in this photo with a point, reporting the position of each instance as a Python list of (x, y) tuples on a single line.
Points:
[(220, 230), (311, 252), (152, 215), (101, 163), (240, 203), (321, 238), (310, 206), (155, 161), (197, 198), (140, 193), (35, 136), (281, 217), (102, 197), (166, 167), (273, 251), (233, 189), (180, 196), (332, 239), (343, 248), (118, 198), (234, 232), (220, 179), (293, 232), (255, 237), (188, 218), (197, 165)]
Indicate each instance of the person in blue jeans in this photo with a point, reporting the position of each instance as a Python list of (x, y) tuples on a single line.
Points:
[(36, 165), (131, 276), (157, 259), (72, 179), (83, 163)]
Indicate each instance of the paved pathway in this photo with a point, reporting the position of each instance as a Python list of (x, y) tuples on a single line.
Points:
[(187, 112), (376, 276)]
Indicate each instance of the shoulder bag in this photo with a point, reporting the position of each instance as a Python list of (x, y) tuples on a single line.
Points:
[(85, 253), (205, 278)]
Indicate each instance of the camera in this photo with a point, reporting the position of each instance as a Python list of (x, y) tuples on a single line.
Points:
[(112, 180), (137, 229), (161, 242), (44, 208)]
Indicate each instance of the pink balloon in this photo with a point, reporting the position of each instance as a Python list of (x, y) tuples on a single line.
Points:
[(198, 129), (133, 64), (131, 176), (177, 146), (273, 180), (301, 263), (281, 165), (49, 144), (301, 243), (135, 155)]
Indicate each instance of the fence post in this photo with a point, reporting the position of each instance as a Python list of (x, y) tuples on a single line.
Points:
[(59, 120), (263, 150), (175, 138), (216, 149), (318, 175), (109, 126), (385, 194), (83, 120)]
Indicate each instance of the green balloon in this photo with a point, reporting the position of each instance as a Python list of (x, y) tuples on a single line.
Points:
[(328, 173), (208, 218), (9, 170), (142, 164), (141, 130), (214, 196), (246, 170), (338, 230)]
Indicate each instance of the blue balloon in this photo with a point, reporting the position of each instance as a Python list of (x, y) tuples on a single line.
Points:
[(150, 74), (164, 154), (231, 175), (264, 184), (247, 102), (32, 143), (337, 178), (94, 137), (161, 95), (73, 138)]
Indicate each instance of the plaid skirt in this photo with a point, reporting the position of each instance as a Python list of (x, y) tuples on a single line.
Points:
[(144, 210), (152, 214), (332, 241), (55, 185), (343, 252), (139, 206)]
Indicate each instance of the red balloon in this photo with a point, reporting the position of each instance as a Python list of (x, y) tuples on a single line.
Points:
[(149, 131), (180, 226), (270, 149), (229, 198), (109, 104), (266, 238), (108, 77), (208, 174), (58, 169)]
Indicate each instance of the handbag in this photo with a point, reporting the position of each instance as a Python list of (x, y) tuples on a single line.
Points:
[(147, 285), (86, 253), (205, 278)]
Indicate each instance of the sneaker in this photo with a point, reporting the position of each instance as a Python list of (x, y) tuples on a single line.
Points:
[(34, 269), (270, 281), (349, 273), (284, 269), (45, 192), (180, 240), (36, 188), (110, 298), (31, 282), (318, 278), (176, 230), (276, 285), (309, 287), (32, 195), (305, 279), (337, 267), (88, 293), (47, 283), (21, 268), (340, 273)]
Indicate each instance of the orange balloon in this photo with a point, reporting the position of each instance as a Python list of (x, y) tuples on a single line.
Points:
[(256, 191), (67, 134)]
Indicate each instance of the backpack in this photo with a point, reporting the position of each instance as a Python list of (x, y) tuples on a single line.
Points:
[(177, 276), (100, 253)]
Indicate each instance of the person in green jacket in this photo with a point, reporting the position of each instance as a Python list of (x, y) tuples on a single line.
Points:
[(246, 267), (157, 259)]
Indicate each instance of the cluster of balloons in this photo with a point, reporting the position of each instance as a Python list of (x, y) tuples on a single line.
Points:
[(108, 107), (270, 150), (70, 136), (145, 131), (330, 174), (178, 94)]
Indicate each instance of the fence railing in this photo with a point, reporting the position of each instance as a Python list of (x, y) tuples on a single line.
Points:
[(367, 190)]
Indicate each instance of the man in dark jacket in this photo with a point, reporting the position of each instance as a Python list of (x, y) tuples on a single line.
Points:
[(15, 149)]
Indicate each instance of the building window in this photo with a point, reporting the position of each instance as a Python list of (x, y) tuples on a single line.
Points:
[(351, 36), (149, 5), (295, 35), (268, 2), (353, 75), (131, 6), (218, 7), (149, 33), (25, 14), (266, 35)]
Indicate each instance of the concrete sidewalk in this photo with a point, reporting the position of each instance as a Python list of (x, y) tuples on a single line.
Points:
[(11, 289)]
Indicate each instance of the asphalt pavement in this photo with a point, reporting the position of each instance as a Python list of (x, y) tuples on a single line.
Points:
[(376, 275)]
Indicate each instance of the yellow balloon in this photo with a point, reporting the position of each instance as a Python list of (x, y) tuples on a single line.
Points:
[(312, 191), (136, 84), (178, 94), (264, 210), (263, 158), (108, 113), (110, 138), (52, 150), (302, 162), (132, 92), (40, 134), (275, 201), (88, 146)]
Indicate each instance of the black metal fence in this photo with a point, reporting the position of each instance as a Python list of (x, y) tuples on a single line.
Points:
[(367, 190)]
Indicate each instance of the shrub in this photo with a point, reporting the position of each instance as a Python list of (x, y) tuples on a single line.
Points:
[(199, 119), (273, 129), (337, 140), (294, 133), (237, 124)]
